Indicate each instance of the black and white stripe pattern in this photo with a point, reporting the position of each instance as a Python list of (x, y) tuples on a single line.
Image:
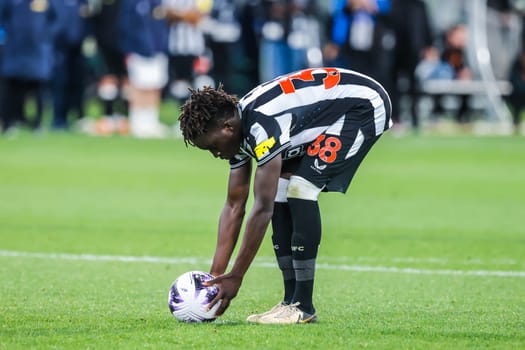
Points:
[(184, 38), (316, 100)]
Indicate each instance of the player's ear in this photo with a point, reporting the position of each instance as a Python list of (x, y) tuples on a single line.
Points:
[(228, 125)]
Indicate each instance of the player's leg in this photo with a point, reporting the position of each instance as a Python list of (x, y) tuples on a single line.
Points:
[(330, 164), (147, 78), (281, 239), (282, 228), (306, 237)]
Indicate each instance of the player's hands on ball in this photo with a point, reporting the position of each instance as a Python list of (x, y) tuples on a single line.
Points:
[(229, 285)]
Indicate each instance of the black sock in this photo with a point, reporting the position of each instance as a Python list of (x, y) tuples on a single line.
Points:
[(306, 237), (281, 238), (303, 294), (108, 107), (286, 266)]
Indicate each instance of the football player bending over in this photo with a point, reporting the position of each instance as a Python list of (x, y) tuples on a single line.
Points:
[(307, 131)]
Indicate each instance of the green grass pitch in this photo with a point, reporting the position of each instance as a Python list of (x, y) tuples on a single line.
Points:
[(425, 251)]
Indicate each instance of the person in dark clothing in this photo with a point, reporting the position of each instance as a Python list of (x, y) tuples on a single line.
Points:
[(251, 20), (70, 65), (2, 43), (360, 38), (27, 63), (517, 98), (224, 34), (414, 35), (112, 77)]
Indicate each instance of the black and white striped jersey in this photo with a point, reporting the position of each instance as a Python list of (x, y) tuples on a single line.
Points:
[(185, 38), (290, 111)]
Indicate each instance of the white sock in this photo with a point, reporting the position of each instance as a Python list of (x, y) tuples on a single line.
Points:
[(144, 122)]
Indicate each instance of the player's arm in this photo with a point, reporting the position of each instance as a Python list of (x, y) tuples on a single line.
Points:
[(231, 218), (265, 188), (191, 16)]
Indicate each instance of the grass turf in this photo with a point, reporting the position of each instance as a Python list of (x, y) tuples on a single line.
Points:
[(410, 257)]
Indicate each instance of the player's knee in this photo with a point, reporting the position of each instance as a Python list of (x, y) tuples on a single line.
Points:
[(301, 188), (282, 188)]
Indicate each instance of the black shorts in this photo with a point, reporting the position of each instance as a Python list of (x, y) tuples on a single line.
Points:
[(114, 62), (331, 161)]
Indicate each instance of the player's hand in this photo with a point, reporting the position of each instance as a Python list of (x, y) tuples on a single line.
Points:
[(229, 285)]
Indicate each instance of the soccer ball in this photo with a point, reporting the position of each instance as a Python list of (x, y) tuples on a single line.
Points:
[(188, 298)]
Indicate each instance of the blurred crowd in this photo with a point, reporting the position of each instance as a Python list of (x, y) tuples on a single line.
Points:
[(131, 55)]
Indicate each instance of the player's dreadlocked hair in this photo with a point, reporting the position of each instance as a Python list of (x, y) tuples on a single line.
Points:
[(203, 110)]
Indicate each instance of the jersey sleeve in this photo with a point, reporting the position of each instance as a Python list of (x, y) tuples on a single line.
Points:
[(269, 137), (239, 160)]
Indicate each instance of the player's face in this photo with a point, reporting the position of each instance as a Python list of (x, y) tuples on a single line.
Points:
[(222, 142)]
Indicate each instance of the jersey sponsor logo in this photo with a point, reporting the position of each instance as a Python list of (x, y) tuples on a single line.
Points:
[(317, 166), (264, 147), (294, 152)]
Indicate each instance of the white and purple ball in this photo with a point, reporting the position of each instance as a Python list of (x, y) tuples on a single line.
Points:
[(188, 298)]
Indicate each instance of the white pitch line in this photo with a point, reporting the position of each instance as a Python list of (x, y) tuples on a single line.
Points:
[(322, 266), (93, 257)]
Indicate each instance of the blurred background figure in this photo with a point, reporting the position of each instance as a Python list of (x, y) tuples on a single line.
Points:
[(112, 81), (143, 34), (223, 31), (503, 35), (289, 37), (361, 38), (129, 56), (448, 61), (186, 44), (454, 60), (68, 82), (454, 54), (414, 36), (27, 65), (516, 74), (251, 20), (2, 43), (517, 98)]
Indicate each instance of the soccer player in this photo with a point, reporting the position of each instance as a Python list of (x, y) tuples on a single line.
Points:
[(308, 131)]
